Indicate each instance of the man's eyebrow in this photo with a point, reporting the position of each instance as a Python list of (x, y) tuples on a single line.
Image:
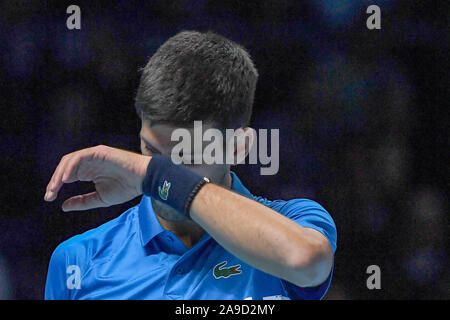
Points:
[(149, 144)]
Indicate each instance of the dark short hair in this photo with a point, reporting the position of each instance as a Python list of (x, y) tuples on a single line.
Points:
[(198, 76)]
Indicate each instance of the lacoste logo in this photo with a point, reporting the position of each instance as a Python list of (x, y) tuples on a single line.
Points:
[(221, 272), (164, 191)]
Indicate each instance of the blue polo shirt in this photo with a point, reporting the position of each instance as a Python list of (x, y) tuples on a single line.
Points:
[(134, 257)]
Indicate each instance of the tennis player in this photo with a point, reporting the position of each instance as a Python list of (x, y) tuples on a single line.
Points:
[(198, 232)]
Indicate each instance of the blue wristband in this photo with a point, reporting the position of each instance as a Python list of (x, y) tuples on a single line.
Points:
[(172, 184)]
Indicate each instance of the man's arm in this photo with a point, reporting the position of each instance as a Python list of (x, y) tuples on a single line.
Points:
[(251, 231), (262, 237)]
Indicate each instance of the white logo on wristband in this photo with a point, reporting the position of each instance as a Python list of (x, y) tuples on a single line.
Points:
[(164, 191)]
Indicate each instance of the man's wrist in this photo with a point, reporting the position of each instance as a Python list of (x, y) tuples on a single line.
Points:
[(188, 204), (172, 184), (142, 171)]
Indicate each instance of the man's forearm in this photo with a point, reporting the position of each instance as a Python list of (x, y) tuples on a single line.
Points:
[(262, 237)]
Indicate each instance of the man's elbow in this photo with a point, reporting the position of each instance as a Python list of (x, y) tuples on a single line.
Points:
[(313, 268)]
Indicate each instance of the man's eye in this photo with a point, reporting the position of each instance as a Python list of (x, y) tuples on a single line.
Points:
[(150, 149)]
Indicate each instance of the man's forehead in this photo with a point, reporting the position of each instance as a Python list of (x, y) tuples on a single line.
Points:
[(161, 133), (167, 129)]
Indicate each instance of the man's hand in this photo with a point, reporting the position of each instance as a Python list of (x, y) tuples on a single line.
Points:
[(117, 175)]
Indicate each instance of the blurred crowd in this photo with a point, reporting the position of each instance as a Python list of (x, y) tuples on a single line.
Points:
[(361, 113)]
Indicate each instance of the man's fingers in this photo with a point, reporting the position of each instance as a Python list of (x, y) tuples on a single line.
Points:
[(70, 170), (83, 202), (66, 172), (55, 182)]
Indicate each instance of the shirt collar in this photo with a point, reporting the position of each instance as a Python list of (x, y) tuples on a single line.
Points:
[(149, 224), (237, 186)]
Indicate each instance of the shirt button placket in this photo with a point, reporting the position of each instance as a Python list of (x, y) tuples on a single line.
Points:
[(179, 270)]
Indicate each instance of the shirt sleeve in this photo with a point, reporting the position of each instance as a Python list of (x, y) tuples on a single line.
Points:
[(55, 286), (65, 270), (309, 214)]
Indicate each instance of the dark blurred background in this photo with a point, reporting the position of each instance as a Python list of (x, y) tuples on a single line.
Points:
[(362, 117)]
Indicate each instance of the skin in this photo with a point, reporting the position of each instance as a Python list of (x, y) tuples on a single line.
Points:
[(156, 140), (249, 230)]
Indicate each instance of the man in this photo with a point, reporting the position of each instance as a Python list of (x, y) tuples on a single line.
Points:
[(197, 233)]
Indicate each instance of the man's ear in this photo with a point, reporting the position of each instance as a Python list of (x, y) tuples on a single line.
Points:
[(243, 143)]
